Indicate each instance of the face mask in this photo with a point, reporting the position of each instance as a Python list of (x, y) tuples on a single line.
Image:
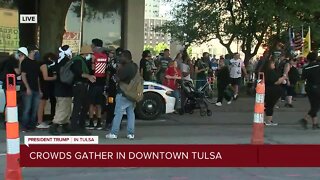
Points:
[(37, 56), (16, 56), (88, 57)]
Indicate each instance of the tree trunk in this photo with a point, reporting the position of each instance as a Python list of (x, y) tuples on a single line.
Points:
[(27, 32), (52, 24), (247, 56), (185, 50)]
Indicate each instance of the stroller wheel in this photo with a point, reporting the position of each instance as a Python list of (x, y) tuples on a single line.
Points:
[(191, 112), (209, 113), (203, 113)]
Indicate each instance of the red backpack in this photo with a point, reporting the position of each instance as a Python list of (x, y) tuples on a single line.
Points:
[(100, 64)]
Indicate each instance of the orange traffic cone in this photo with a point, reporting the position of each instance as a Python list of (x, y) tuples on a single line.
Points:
[(13, 169), (258, 121)]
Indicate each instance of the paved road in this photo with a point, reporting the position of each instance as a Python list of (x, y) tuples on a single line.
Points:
[(229, 125)]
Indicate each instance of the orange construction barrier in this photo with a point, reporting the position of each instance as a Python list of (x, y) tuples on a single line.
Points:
[(13, 169), (258, 121)]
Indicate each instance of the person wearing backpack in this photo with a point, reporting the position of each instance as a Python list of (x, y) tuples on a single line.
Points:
[(98, 66), (129, 92), (81, 81), (63, 94)]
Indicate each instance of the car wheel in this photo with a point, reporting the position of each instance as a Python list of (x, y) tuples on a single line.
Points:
[(151, 107)]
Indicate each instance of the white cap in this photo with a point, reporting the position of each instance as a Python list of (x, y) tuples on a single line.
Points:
[(23, 50)]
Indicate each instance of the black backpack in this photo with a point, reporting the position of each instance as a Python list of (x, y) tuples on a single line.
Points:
[(66, 75)]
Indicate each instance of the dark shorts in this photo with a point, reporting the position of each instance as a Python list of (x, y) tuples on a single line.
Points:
[(236, 81), (96, 95), (47, 92)]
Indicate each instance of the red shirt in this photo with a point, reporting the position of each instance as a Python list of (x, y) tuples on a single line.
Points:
[(171, 83)]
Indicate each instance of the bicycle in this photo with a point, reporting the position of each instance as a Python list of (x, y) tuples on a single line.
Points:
[(209, 89)]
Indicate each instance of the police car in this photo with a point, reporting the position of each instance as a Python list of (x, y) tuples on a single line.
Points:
[(156, 101)]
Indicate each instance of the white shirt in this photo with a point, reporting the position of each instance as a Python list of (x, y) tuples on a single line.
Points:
[(186, 69), (235, 67)]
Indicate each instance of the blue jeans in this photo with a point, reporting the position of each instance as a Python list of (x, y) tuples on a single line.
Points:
[(123, 105), (30, 109), (176, 94)]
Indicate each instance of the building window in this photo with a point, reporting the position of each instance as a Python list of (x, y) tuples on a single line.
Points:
[(111, 25)]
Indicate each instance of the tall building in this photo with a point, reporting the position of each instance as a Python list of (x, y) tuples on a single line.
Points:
[(152, 9), (154, 18)]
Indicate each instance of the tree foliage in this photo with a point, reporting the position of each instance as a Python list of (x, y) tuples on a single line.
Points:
[(150, 48), (251, 22), (160, 47)]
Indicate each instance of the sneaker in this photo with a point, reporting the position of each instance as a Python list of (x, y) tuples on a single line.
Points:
[(24, 130), (229, 102), (219, 104), (90, 126), (130, 136), (270, 123), (43, 126), (235, 97), (288, 105), (98, 126), (111, 136)]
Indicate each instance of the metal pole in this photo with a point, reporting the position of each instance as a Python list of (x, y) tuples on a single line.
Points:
[(81, 25)]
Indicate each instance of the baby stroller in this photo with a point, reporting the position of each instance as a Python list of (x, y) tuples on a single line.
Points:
[(194, 99)]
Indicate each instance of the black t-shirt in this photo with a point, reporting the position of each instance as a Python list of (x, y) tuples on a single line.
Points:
[(223, 75), (8, 68), (47, 85), (146, 66), (311, 73), (293, 75), (271, 76), (32, 69)]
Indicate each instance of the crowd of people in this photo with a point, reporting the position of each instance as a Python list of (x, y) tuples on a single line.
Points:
[(281, 77), (77, 86), (86, 85)]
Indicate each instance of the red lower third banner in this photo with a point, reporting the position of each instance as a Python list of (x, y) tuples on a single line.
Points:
[(170, 156)]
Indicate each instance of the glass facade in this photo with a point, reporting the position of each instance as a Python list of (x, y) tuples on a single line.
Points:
[(102, 19)]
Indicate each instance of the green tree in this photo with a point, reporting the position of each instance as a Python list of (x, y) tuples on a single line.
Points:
[(160, 47), (189, 50), (150, 48), (251, 22)]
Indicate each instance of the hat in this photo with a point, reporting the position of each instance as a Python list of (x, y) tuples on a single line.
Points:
[(86, 50), (32, 48), (24, 51)]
